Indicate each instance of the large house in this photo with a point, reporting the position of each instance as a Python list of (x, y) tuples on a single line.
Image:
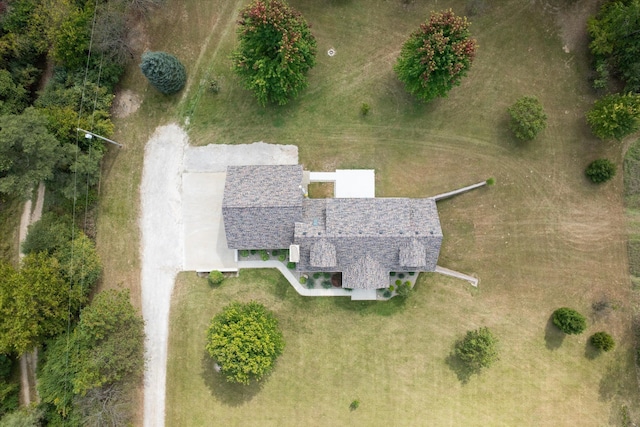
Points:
[(265, 207)]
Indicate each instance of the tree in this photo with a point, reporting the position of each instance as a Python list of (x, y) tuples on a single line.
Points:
[(436, 56), (111, 334), (80, 265), (527, 118), (602, 341), (478, 349), (13, 97), (48, 234), (275, 51), (28, 152), (615, 116), (614, 41), (25, 417), (89, 368), (164, 71), (245, 341), (569, 321), (600, 170), (34, 303)]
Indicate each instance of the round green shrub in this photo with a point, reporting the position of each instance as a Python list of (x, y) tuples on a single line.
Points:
[(326, 284), (215, 278), (569, 321), (291, 265), (386, 293), (244, 253), (600, 170), (398, 282), (527, 118), (478, 349), (317, 275), (303, 280), (164, 71), (602, 341)]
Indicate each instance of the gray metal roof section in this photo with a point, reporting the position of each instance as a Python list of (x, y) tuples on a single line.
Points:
[(261, 205)]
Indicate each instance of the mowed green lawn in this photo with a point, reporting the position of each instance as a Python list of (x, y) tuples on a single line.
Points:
[(541, 238)]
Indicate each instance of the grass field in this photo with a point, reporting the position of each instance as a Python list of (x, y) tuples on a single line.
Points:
[(542, 237)]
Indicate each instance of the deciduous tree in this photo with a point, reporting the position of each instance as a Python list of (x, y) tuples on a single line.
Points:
[(275, 51), (28, 152), (478, 349), (245, 341), (615, 116), (34, 303), (528, 118), (436, 56), (615, 42)]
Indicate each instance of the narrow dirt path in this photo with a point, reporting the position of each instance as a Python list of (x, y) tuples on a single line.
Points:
[(28, 361)]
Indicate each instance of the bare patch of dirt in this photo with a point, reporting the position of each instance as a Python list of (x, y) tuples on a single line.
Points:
[(125, 103), (572, 21)]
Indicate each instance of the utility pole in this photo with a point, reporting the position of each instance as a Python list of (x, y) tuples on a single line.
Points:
[(90, 135)]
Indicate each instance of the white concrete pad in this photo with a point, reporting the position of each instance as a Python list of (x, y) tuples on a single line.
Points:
[(352, 183), (364, 295), (205, 246)]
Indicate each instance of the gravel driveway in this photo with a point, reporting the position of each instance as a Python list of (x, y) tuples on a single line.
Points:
[(167, 156)]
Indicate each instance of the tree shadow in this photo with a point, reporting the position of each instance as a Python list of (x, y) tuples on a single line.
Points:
[(590, 352), (231, 394), (553, 336), (463, 373)]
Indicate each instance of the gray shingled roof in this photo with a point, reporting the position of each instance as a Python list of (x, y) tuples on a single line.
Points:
[(323, 254), (413, 254), (365, 239), (363, 273), (397, 234), (261, 205)]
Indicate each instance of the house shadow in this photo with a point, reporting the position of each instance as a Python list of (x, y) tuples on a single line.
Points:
[(462, 371), (379, 308), (232, 394), (553, 337)]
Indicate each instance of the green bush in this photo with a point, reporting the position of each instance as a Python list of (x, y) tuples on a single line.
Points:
[(491, 181), (354, 405), (245, 340), (528, 118), (602, 341), (244, 253), (411, 273), (364, 109), (615, 116), (569, 321), (391, 288), (282, 257), (478, 349), (326, 275), (215, 278), (401, 275), (386, 293), (326, 284), (393, 273), (302, 280), (164, 71), (311, 283), (404, 290), (398, 282), (291, 265), (600, 170), (317, 275), (49, 234), (264, 255)]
